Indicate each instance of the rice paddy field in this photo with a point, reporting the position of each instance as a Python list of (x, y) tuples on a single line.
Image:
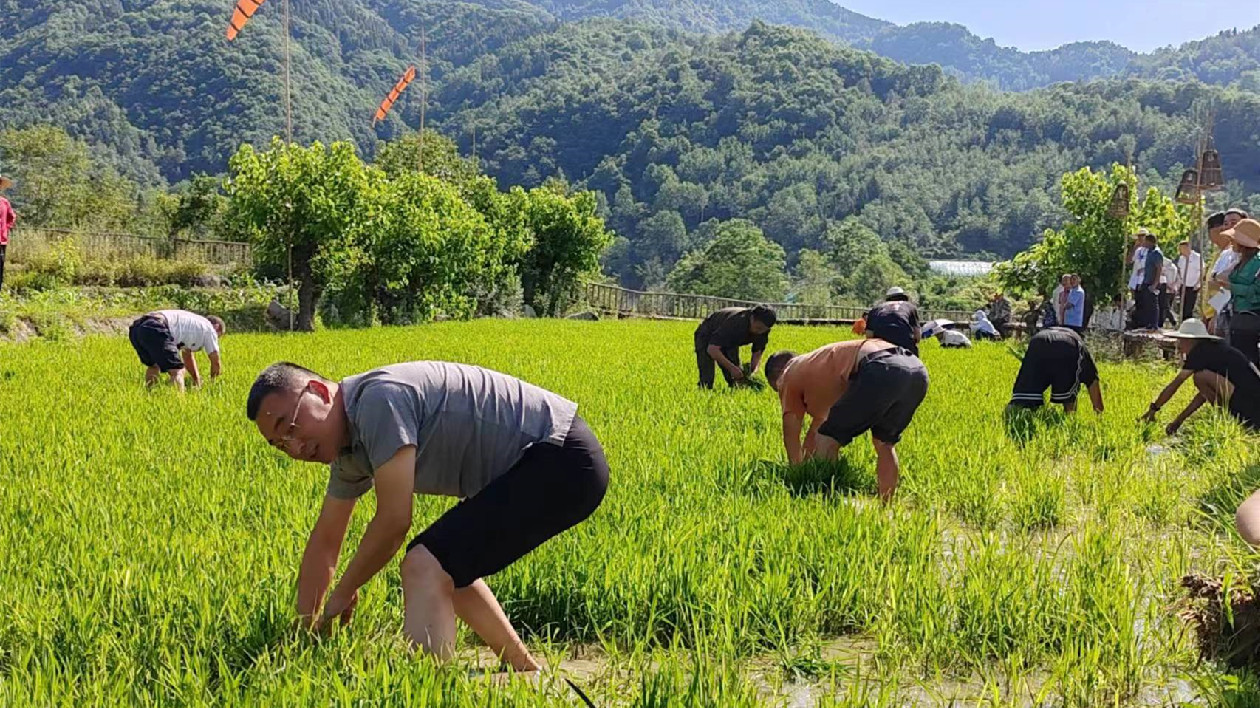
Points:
[(149, 542)]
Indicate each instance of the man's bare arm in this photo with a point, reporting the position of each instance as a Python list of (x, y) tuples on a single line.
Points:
[(395, 484), (319, 560), (1095, 396), (216, 365), (716, 352), (792, 424), (756, 360), (811, 437), (190, 364)]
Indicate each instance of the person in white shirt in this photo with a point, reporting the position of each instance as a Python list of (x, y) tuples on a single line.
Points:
[(1168, 277), (1138, 259), (1190, 268), (1216, 309), (165, 341), (949, 339), (1110, 318)]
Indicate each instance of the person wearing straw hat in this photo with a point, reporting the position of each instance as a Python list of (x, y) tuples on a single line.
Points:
[(1215, 306), (949, 338), (8, 217), (1056, 359), (895, 320), (1222, 376), (1244, 287)]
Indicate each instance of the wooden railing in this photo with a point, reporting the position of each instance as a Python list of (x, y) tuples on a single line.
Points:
[(614, 300), (27, 242)]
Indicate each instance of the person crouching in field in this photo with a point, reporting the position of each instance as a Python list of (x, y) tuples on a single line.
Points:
[(166, 340), (1056, 359), (721, 334), (849, 388), (1222, 375), (895, 320), (525, 465)]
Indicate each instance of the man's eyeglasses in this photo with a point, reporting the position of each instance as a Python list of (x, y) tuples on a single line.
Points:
[(283, 441)]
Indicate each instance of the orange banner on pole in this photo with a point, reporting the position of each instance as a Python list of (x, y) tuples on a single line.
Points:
[(245, 9), (388, 103)]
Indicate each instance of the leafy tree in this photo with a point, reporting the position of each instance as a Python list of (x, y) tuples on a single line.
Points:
[(739, 263), (1093, 244), (873, 276), (199, 207), (814, 280), (569, 238), (305, 210)]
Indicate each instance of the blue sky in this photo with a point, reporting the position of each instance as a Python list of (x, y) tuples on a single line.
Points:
[(1044, 24)]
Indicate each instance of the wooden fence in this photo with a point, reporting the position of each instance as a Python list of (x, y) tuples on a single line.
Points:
[(26, 243), (613, 300)]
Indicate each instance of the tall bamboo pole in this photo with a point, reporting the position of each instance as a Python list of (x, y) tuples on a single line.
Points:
[(288, 87)]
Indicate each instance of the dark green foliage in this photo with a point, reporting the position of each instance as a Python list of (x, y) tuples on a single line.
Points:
[(738, 263)]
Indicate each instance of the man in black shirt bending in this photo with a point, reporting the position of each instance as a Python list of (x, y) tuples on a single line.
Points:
[(719, 337), (896, 320), (1222, 375)]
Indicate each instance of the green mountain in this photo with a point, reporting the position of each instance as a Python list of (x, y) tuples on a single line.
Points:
[(778, 125)]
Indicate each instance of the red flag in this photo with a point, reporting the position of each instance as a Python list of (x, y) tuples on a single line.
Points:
[(388, 103), (245, 9)]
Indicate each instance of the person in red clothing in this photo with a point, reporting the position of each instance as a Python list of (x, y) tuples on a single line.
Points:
[(7, 219)]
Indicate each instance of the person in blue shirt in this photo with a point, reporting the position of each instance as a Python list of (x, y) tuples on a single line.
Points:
[(1074, 310)]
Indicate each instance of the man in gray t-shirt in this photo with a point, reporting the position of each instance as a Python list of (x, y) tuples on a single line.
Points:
[(525, 465)]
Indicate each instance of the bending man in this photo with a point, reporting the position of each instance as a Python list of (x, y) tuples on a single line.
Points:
[(1222, 376), (1058, 360), (719, 337), (846, 389), (525, 464), (166, 340)]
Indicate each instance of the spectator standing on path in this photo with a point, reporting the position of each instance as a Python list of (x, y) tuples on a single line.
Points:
[(1189, 278), (523, 462), (1074, 305), (1167, 289), (165, 341), (846, 389), (1147, 296), (1110, 318), (718, 339), (1222, 376), (1244, 326), (896, 320), (1060, 299), (1137, 261), (1217, 315), (1058, 360), (8, 217), (1000, 313)]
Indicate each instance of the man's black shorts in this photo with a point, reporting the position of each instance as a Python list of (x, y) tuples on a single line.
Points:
[(152, 340), (887, 389), (550, 489)]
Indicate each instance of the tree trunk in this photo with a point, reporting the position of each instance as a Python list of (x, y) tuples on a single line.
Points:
[(307, 296)]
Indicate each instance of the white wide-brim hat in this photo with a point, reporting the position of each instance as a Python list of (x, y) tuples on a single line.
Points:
[(1192, 329), (894, 290)]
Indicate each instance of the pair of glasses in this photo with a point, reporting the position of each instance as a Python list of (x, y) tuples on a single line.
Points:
[(283, 441)]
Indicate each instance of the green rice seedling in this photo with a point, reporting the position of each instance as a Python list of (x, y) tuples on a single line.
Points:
[(151, 540)]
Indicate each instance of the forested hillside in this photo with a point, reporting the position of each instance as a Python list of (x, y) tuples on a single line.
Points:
[(780, 127), (776, 125)]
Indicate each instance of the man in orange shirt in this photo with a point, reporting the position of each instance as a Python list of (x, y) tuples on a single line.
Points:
[(849, 388)]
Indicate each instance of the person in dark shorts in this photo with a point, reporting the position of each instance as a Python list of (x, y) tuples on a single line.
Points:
[(721, 334), (522, 461), (1056, 359), (896, 320), (846, 389), (166, 340), (1222, 375)]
